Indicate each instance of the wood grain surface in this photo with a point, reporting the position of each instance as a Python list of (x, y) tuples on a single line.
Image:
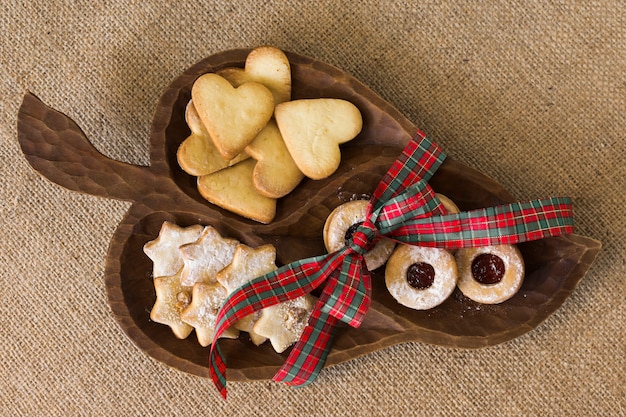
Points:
[(58, 149)]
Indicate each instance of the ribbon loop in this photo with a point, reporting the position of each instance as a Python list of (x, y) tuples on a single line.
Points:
[(417, 201)]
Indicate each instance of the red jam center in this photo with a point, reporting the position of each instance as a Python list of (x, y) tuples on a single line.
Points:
[(420, 275), (488, 269), (348, 236)]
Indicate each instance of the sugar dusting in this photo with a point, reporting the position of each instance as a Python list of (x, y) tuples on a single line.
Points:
[(491, 293), (442, 286)]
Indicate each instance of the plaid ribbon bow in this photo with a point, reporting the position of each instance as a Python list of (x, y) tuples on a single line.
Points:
[(404, 208)]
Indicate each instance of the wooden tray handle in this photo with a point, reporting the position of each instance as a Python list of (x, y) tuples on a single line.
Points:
[(56, 147)]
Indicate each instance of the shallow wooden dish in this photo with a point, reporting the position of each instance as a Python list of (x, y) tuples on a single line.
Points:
[(56, 147)]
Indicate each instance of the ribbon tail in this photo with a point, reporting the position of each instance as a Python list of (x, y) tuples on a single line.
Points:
[(346, 298), (349, 293), (217, 370), (288, 282), (308, 355)]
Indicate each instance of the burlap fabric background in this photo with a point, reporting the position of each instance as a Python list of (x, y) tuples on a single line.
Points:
[(531, 92)]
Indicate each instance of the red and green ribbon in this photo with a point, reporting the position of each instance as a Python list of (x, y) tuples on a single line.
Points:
[(404, 208)]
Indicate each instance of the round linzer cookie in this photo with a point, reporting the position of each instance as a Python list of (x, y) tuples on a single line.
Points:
[(490, 274), (342, 223), (419, 277)]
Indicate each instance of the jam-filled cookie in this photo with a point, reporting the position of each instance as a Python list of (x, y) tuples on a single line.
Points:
[(419, 277), (343, 222), (490, 274)]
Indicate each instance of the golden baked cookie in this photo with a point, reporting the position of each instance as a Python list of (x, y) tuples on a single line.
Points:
[(449, 205), (490, 274), (313, 129), (201, 313), (164, 250), (419, 277), (275, 174), (340, 225), (232, 116), (171, 299), (198, 155), (232, 189), (266, 65), (207, 256), (284, 323)]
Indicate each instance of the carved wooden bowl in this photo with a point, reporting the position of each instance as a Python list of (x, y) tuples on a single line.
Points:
[(56, 147)]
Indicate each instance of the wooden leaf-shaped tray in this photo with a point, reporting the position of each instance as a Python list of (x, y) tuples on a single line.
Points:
[(56, 147)]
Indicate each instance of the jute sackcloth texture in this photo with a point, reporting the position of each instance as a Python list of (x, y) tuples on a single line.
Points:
[(531, 92)]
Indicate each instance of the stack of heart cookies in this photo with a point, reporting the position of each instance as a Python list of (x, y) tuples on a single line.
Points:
[(250, 144)]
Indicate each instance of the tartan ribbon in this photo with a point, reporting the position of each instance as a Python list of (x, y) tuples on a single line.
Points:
[(404, 208)]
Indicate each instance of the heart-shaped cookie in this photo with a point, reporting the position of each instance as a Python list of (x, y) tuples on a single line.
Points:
[(275, 174), (313, 129), (198, 155), (232, 116), (232, 189), (266, 65)]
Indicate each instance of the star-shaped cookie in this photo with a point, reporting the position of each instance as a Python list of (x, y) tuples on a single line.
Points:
[(171, 299), (207, 299), (284, 323), (247, 264), (204, 258), (164, 250)]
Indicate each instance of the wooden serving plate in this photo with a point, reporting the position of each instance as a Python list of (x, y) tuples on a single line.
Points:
[(56, 147)]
